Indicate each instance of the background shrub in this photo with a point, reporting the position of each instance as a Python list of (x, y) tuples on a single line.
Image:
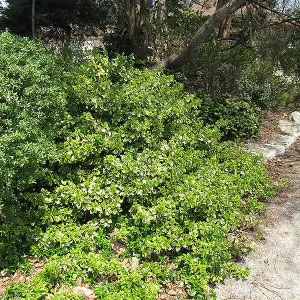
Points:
[(236, 118), (267, 87)]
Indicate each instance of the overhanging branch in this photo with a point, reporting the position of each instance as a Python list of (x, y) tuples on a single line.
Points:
[(212, 25), (202, 35), (285, 18)]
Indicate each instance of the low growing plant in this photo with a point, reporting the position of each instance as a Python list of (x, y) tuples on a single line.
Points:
[(128, 172)]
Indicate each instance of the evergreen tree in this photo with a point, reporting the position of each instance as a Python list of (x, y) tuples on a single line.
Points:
[(54, 17)]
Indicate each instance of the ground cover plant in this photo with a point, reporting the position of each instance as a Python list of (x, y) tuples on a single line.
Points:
[(109, 174)]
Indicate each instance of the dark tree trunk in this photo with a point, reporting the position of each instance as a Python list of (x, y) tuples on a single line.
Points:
[(138, 16), (33, 19)]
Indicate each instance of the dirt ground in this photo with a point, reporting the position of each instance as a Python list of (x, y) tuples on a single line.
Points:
[(269, 127), (37, 265), (275, 261)]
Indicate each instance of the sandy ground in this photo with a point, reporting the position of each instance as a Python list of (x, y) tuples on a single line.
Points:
[(275, 261)]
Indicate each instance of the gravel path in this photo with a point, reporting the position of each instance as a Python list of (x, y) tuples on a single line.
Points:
[(275, 261)]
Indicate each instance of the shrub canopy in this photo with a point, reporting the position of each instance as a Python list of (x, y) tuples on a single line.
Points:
[(101, 163)]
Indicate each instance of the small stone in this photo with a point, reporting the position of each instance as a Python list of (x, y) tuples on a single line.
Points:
[(172, 292), (268, 151), (295, 116), (135, 263), (284, 140), (118, 248), (289, 127), (83, 291), (279, 149), (125, 263)]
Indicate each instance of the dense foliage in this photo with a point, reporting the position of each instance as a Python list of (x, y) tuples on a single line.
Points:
[(117, 178), (246, 72), (234, 117), (103, 164), (32, 104), (246, 57), (53, 18)]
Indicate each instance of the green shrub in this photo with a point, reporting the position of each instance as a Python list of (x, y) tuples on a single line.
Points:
[(38, 288), (128, 161), (236, 118), (258, 73), (217, 72), (61, 239), (32, 106)]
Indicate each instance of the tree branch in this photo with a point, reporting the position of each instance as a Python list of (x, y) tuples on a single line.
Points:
[(285, 18), (202, 35), (261, 5), (293, 21), (177, 61)]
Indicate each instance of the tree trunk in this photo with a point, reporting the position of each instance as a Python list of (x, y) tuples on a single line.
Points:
[(202, 35), (224, 30), (33, 19), (132, 15), (138, 16)]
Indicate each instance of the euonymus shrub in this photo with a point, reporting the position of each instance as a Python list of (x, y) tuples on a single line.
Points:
[(103, 164), (32, 107)]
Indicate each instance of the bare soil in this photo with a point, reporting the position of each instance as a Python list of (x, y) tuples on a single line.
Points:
[(269, 127), (37, 266)]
